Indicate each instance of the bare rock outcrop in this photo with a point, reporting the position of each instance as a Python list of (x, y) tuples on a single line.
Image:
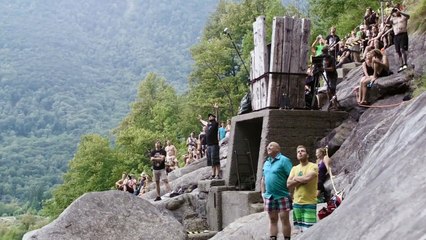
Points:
[(253, 226), (385, 200), (110, 215)]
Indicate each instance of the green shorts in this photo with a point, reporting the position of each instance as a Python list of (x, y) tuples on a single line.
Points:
[(304, 216)]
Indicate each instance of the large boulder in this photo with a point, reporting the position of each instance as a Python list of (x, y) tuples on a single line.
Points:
[(110, 215), (254, 226), (386, 198), (189, 209), (372, 126)]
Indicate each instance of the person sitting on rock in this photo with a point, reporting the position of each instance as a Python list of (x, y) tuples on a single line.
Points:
[(324, 166), (353, 42), (129, 184), (120, 183), (141, 184), (189, 159), (345, 55), (374, 41), (376, 65)]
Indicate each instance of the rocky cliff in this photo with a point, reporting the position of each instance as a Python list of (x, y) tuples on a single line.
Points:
[(378, 159), (110, 215)]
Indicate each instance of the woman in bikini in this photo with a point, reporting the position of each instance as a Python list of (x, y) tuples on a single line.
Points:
[(376, 65)]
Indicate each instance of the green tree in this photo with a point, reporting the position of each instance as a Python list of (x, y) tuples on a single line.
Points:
[(219, 75), (92, 169), (345, 15)]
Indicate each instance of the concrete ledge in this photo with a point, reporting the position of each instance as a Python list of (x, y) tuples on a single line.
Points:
[(215, 207), (205, 185), (238, 204)]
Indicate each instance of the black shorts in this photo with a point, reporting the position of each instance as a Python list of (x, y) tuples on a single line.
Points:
[(213, 155), (401, 42)]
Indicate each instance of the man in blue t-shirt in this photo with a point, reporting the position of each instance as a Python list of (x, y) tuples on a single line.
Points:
[(276, 196), (222, 130)]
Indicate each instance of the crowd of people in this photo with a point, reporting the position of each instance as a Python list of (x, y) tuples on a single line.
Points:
[(367, 44), (286, 187), (165, 160), (197, 145)]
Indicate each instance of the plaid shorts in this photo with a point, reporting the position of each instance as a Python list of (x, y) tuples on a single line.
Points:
[(282, 204)]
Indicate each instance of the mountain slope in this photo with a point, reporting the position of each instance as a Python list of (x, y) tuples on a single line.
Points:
[(72, 67)]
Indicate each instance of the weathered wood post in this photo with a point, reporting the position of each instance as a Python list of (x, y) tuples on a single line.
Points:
[(280, 74), (259, 81)]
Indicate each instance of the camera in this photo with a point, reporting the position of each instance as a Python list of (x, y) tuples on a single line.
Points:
[(317, 60)]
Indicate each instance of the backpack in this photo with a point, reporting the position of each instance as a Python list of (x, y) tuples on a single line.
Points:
[(332, 204)]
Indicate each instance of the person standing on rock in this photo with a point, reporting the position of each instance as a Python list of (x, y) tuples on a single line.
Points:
[(399, 25), (276, 196), (158, 159), (304, 180), (212, 143), (171, 160)]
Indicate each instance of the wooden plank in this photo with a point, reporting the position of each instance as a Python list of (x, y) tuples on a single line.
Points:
[(284, 87), (276, 61), (304, 54), (255, 95), (294, 63), (252, 64), (264, 86), (260, 50)]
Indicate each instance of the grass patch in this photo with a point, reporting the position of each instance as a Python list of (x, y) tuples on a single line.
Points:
[(419, 85), (417, 21)]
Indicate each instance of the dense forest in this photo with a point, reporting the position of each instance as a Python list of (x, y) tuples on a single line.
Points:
[(162, 106), (69, 68)]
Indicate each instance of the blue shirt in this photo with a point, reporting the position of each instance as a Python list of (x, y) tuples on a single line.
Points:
[(222, 133), (275, 172)]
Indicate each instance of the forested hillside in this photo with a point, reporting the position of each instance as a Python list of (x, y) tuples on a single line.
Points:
[(71, 67)]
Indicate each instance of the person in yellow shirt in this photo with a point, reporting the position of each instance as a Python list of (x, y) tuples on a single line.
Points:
[(304, 180)]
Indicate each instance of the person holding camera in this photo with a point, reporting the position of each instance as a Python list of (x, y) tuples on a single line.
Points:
[(318, 45), (329, 67), (399, 22)]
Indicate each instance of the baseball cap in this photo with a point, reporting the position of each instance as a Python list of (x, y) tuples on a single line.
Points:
[(211, 114)]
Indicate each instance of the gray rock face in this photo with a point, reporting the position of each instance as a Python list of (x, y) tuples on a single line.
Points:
[(386, 200), (188, 209), (110, 215), (337, 137), (254, 226), (372, 125), (186, 180)]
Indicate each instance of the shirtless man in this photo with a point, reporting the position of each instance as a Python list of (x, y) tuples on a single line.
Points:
[(171, 160), (399, 25)]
